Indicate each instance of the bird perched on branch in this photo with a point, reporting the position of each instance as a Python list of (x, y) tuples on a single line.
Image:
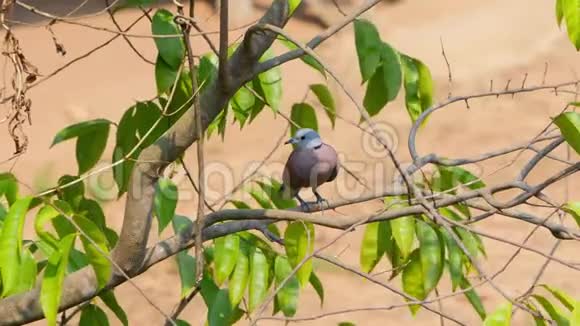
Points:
[(311, 164)]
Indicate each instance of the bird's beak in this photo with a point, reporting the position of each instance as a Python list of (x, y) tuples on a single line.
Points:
[(290, 141)]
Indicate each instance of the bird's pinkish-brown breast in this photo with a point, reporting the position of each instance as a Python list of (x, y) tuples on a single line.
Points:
[(311, 167)]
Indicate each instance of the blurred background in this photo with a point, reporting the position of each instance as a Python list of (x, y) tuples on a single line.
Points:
[(503, 41)]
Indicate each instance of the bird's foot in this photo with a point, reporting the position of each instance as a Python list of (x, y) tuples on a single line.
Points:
[(303, 205), (321, 201)]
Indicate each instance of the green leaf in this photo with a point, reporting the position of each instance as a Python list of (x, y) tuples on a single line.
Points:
[(539, 321), (346, 323), (63, 226), (571, 10), (473, 298), (432, 255), (208, 289), (287, 297), (454, 260), (91, 141), (236, 315), (472, 242), (186, 266), (93, 315), (371, 249), (573, 208), (375, 96), (207, 70), (92, 210), (299, 244), (73, 194), (220, 311), (258, 287), (418, 86), (3, 213), (53, 279), (112, 237), (8, 187), (11, 245), (390, 246), (555, 313), (271, 82), (413, 280), (242, 103), (165, 75), (181, 224), (307, 59), (219, 124), (95, 245), (225, 256), (368, 47), (325, 98), (403, 229), (500, 317), (564, 298), (137, 122), (292, 5), (569, 124), (575, 318), (77, 260), (26, 273), (185, 262), (44, 215), (260, 198), (452, 176), (255, 241), (79, 129), (180, 95), (273, 192), (392, 72), (239, 279), (385, 84), (559, 12), (317, 285), (259, 102), (426, 88), (108, 297), (171, 49), (304, 116), (411, 83), (181, 322), (165, 201), (239, 204), (90, 147)]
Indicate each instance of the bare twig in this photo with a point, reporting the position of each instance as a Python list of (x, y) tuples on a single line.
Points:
[(449, 75)]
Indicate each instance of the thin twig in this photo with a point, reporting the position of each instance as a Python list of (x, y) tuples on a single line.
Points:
[(449, 75)]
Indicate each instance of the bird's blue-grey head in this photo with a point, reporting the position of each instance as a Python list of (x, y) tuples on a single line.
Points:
[(305, 138)]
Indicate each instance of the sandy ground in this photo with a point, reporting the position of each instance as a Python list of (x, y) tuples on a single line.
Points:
[(484, 40)]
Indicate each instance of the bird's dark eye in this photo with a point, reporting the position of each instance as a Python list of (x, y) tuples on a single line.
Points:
[(303, 137)]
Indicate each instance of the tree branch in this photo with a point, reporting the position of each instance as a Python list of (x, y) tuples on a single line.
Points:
[(130, 250)]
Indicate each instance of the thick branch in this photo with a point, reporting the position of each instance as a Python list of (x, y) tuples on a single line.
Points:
[(130, 251), (81, 285)]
